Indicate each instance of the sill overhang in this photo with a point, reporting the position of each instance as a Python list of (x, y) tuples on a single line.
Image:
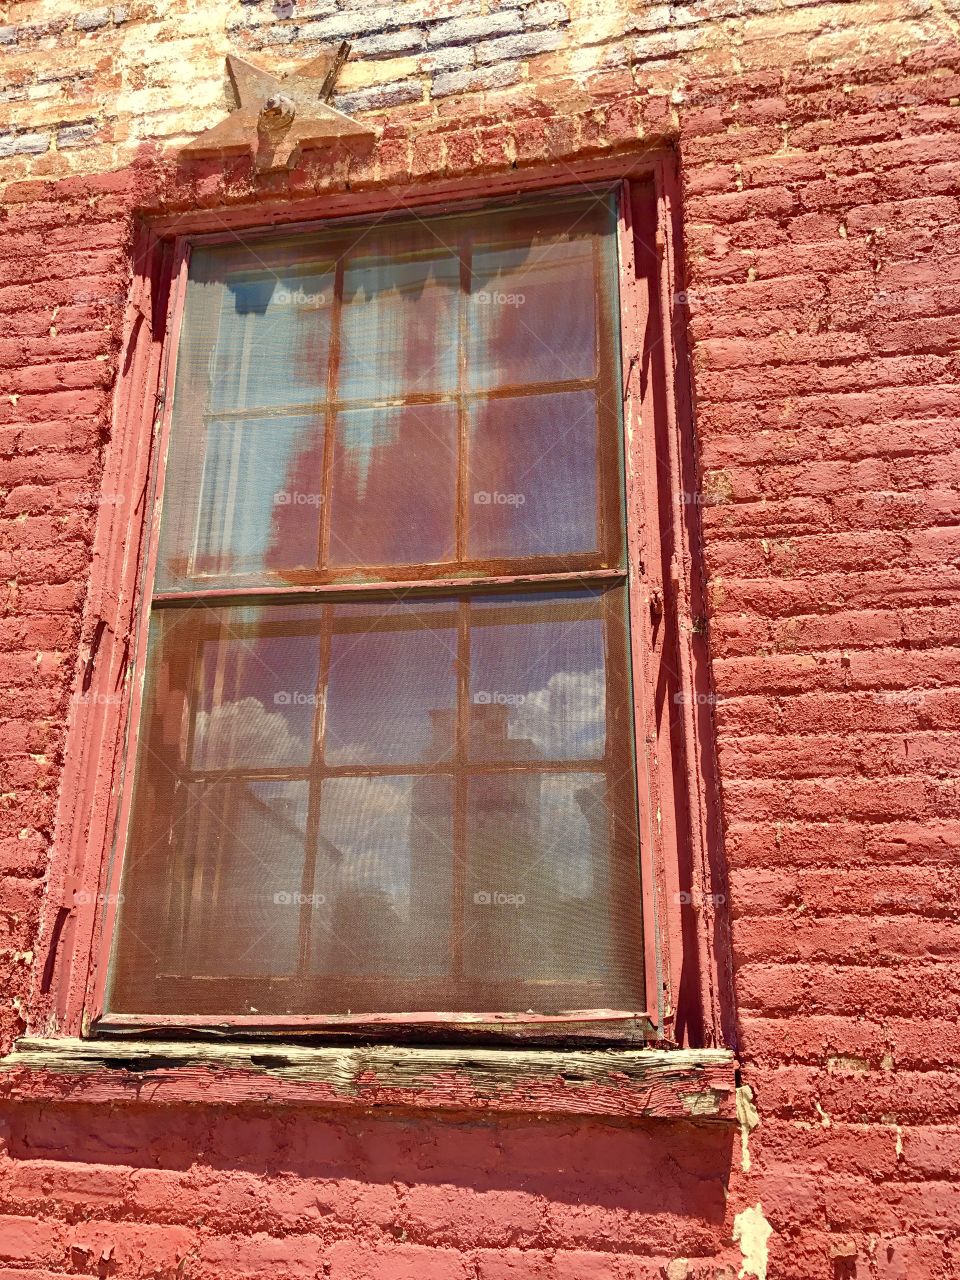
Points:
[(626, 1084)]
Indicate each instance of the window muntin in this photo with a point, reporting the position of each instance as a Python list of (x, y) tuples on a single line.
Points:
[(340, 804)]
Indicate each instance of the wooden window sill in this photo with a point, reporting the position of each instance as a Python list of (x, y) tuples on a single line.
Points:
[(630, 1084)]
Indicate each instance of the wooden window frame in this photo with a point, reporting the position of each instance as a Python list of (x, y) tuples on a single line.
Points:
[(685, 938)]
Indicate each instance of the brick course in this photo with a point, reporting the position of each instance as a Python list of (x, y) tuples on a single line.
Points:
[(820, 152)]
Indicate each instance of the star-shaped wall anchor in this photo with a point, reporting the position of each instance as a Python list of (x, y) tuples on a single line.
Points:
[(276, 116)]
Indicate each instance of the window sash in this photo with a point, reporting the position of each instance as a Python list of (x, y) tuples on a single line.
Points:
[(499, 575)]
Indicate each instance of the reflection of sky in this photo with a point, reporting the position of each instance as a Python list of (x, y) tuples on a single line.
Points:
[(399, 327), (384, 685), (256, 703), (274, 339), (252, 487), (541, 325), (543, 450), (557, 667)]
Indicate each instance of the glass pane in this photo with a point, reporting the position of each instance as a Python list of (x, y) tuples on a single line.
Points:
[(394, 486), (384, 880), (248, 504), (273, 338), (239, 870), (538, 903), (256, 703), (392, 688), (532, 316), (533, 476), (538, 680), (400, 319)]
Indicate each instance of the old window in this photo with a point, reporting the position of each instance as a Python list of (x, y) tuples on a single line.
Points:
[(400, 631)]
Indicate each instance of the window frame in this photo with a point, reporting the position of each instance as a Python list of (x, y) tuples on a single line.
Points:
[(679, 841)]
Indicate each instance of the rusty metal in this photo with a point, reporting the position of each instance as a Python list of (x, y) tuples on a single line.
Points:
[(277, 116)]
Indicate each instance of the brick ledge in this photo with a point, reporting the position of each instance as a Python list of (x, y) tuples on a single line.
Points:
[(678, 1084)]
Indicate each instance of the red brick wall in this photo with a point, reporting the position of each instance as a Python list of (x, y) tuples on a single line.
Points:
[(822, 227)]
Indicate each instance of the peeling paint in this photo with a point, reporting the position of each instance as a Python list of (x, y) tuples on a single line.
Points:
[(748, 1118), (752, 1231), (824, 1118)]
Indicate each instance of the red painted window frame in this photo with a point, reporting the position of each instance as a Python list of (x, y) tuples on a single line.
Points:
[(681, 864)]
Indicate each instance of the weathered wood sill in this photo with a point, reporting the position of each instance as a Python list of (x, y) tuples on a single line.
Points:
[(677, 1084)]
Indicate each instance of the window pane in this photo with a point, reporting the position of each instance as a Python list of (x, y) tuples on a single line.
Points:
[(272, 339), (394, 486), (244, 501), (256, 703), (240, 868), (391, 696), (399, 320), (384, 881), (538, 683), (538, 904), (532, 316), (533, 476)]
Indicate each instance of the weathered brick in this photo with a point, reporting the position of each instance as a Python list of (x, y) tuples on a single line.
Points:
[(380, 96), (92, 20), (462, 30), (76, 135), (518, 46), (545, 13), (470, 80), (31, 144)]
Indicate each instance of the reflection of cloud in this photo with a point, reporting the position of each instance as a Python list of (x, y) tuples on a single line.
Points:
[(567, 717), (368, 820), (245, 733)]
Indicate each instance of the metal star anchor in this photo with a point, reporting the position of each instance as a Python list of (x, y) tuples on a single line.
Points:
[(277, 115)]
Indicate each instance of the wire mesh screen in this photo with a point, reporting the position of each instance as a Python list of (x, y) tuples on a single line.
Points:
[(416, 798)]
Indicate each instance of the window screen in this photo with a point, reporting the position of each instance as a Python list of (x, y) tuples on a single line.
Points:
[(385, 759)]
